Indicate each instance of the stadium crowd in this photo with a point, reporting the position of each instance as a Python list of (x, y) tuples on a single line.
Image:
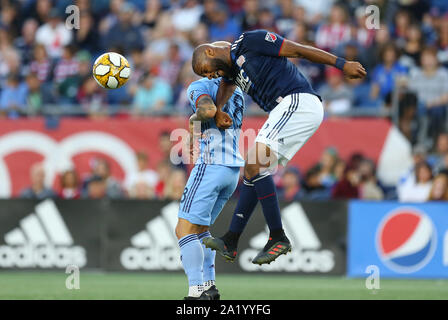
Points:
[(44, 63)]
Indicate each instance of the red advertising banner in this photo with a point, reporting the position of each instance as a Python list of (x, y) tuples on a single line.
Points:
[(75, 141)]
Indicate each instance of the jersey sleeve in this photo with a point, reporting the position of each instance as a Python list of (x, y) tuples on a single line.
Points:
[(195, 91), (264, 42)]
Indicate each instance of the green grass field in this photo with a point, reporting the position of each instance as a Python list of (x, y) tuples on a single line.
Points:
[(164, 286)]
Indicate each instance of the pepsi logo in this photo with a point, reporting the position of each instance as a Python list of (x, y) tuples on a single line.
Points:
[(406, 240)]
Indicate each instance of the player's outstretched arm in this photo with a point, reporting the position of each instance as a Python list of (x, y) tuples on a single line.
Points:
[(351, 69), (225, 91)]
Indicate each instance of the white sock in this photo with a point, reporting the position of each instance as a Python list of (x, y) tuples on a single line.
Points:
[(208, 284), (195, 291)]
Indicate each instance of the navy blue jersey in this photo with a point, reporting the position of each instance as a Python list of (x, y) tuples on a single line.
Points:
[(259, 71)]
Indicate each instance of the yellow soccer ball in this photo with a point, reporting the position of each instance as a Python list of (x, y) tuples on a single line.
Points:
[(111, 70)]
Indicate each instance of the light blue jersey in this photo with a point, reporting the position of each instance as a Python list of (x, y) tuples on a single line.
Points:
[(219, 146), (216, 173)]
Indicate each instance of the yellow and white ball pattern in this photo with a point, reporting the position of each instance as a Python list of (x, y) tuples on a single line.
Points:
[(111, 70)]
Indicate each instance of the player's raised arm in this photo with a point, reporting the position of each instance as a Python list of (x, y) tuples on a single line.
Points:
[(351, 69), (225, 91)]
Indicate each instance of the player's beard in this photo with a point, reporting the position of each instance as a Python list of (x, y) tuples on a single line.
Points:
[(219, 64)]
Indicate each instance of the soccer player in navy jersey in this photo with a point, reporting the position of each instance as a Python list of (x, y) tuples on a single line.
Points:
[(257, 63)]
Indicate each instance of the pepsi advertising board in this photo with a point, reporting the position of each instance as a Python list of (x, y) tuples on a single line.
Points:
[(402, 240)]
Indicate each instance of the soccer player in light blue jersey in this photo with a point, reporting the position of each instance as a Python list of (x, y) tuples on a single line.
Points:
[(211, 183)]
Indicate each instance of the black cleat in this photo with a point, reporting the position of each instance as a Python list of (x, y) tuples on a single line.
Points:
[(219, 246), (203, 296), (272, 251), (213, 293)]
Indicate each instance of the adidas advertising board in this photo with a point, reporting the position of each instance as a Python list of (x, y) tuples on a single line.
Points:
[(141, 236), (48, 234), (317, 232), (134, 235)]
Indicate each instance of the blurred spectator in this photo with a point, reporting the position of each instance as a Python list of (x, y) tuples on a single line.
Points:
[(91, 96), (312, 186), (413, 47), (369, 188), (401, 26), (175, 187), (382, 38), (408, 122), (37, 97), (96, 188), (249, 15), (69, 185), (54, 35), (442, 41), (439, 189), (223, 26), (437, 158), (164, 169), (138, 71), (152, 11), (86, 37), (67, 66), (337, 30), (336, 95), (170, 67), (430, 83), (153, 95), (266, 20), (290, 185), (41, 65), (187, 17), (108, 21), (419, 189), (348, 186), (101, 176), (9, 17), (37, 189), (123, 34), (25, 43), (143, 182), (384, 75), (316, 10), (327, 165), (13, 97), (41, 10), (285, 19)]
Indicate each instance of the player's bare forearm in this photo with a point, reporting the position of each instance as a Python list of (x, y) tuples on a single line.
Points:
[(291, 49), (205, 109), (225, 91)]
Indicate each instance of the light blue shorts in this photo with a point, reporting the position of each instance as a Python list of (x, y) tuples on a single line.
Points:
[(207, 191)]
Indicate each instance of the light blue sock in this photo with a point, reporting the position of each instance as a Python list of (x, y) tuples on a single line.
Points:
[(209, 262), (192, 257)]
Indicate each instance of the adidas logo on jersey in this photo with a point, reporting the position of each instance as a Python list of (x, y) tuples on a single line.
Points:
[(41, 240), (306, 255), (155, 247)]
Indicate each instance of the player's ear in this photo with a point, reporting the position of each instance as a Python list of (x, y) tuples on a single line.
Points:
[(210, 52)]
